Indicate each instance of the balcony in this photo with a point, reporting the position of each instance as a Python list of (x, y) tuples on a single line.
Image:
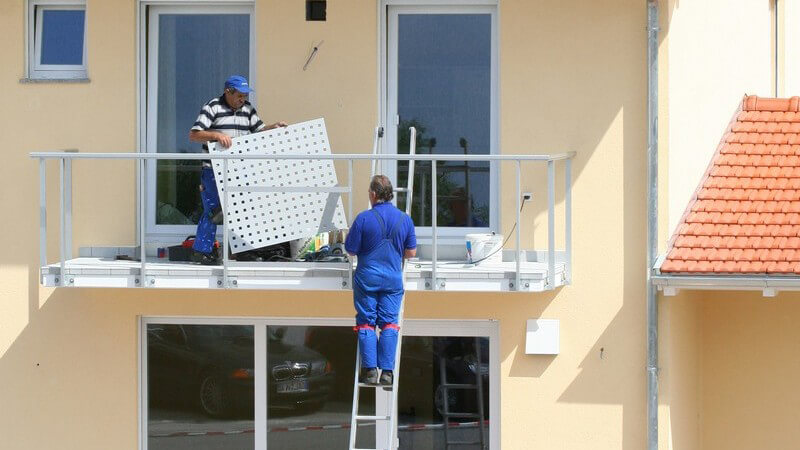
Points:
[(440, 264)]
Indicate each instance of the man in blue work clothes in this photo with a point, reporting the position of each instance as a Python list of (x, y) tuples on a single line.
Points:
[(221, 118), (380, 237)]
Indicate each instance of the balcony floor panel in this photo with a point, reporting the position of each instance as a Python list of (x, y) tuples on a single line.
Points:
[(159, 273)]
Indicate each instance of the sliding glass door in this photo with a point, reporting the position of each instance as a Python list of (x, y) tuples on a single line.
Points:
[(288, 384), (447, 92), (191, 51)]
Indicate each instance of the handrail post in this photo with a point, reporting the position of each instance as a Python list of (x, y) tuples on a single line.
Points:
[(62, 226), (551, 224), (42, 213), (225, 232), (434, 209), (518, 256), (142, 213), (68, 204), (568, 220), (350, 216)]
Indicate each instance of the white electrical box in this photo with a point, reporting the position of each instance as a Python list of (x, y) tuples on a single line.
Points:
[(542, 337)]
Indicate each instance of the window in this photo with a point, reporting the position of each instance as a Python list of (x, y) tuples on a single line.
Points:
[(288, 384), (448, 93), (57, 40), (191, 51)]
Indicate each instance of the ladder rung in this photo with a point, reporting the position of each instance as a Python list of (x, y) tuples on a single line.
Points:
[(384, 386), (463, 415), (401, 189), (373, 418), (459, 386)]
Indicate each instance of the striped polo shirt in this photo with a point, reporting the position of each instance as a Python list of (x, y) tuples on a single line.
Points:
[(217, 115)]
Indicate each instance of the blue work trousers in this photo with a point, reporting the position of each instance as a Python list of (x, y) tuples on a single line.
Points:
[(379, 308), (206, 229)]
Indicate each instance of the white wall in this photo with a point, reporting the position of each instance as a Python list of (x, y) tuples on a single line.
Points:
[(719, 50), (791, 47)]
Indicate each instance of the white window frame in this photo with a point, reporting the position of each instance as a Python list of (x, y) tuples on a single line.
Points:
[(34, 68), (148, 89), (411, 327), (387, 12)]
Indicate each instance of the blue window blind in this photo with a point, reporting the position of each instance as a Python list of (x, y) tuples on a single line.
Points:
[(62, 37)]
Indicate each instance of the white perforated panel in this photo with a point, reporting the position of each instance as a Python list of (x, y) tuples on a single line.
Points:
[(258, 219)]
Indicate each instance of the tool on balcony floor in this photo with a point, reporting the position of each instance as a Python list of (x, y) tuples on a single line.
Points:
[(445, 389), (391, 438)]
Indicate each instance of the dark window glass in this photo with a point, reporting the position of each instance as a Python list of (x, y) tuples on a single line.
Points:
[(62, 36), (196, 54), (444, 90), (444, 392), (310, 386), (311, 389), (200, 387)]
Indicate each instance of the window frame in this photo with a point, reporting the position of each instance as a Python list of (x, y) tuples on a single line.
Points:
[(35, 69), (388, 10), (147, 28), (411, 327)]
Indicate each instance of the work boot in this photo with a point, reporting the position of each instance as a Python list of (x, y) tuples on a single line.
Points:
[(206, 259), (369, 376), (387, 377), (217, 218)]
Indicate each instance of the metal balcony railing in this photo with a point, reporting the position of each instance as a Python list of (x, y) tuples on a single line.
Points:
[(65, 158)]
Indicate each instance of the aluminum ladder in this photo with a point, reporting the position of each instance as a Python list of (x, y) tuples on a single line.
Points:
[(412, 150), (445, 387), (392, 441)]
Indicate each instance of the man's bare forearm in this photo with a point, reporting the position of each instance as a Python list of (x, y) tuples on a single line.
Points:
[(203, 135), (274, 125)]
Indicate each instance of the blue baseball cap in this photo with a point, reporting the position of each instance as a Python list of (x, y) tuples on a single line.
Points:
[(239, 83)]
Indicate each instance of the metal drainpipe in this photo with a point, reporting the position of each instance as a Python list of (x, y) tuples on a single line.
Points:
[(652, 223)]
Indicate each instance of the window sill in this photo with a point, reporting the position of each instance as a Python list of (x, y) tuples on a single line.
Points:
[(54, 80)]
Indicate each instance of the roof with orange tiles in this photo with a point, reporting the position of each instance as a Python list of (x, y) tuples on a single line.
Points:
[(744, 217)]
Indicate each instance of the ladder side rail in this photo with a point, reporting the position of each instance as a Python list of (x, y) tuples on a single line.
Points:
[(375, 143), (375, 149), (412, 150), (445, 400), (393, 434), (356, 399)]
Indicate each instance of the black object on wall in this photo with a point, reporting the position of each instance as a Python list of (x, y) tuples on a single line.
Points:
[(316, 10)]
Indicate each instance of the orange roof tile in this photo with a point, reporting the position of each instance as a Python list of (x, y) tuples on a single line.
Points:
[(744, 217)]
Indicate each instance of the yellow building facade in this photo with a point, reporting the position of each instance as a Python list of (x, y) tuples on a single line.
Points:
[(563, 76)]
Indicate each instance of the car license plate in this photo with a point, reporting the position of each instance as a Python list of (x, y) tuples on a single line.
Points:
[(292, 386)]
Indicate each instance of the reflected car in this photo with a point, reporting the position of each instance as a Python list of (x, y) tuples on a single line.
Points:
[(211, 366), (421, 370)]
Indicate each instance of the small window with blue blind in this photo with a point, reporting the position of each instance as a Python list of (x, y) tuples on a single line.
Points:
[(57, 40)]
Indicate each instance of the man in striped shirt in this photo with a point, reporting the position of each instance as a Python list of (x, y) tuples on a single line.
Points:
[(222, 118)]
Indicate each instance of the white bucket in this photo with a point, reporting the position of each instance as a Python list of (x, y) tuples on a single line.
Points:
[(484, 248)]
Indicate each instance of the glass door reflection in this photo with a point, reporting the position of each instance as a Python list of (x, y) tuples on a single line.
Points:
[(444, 91)]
